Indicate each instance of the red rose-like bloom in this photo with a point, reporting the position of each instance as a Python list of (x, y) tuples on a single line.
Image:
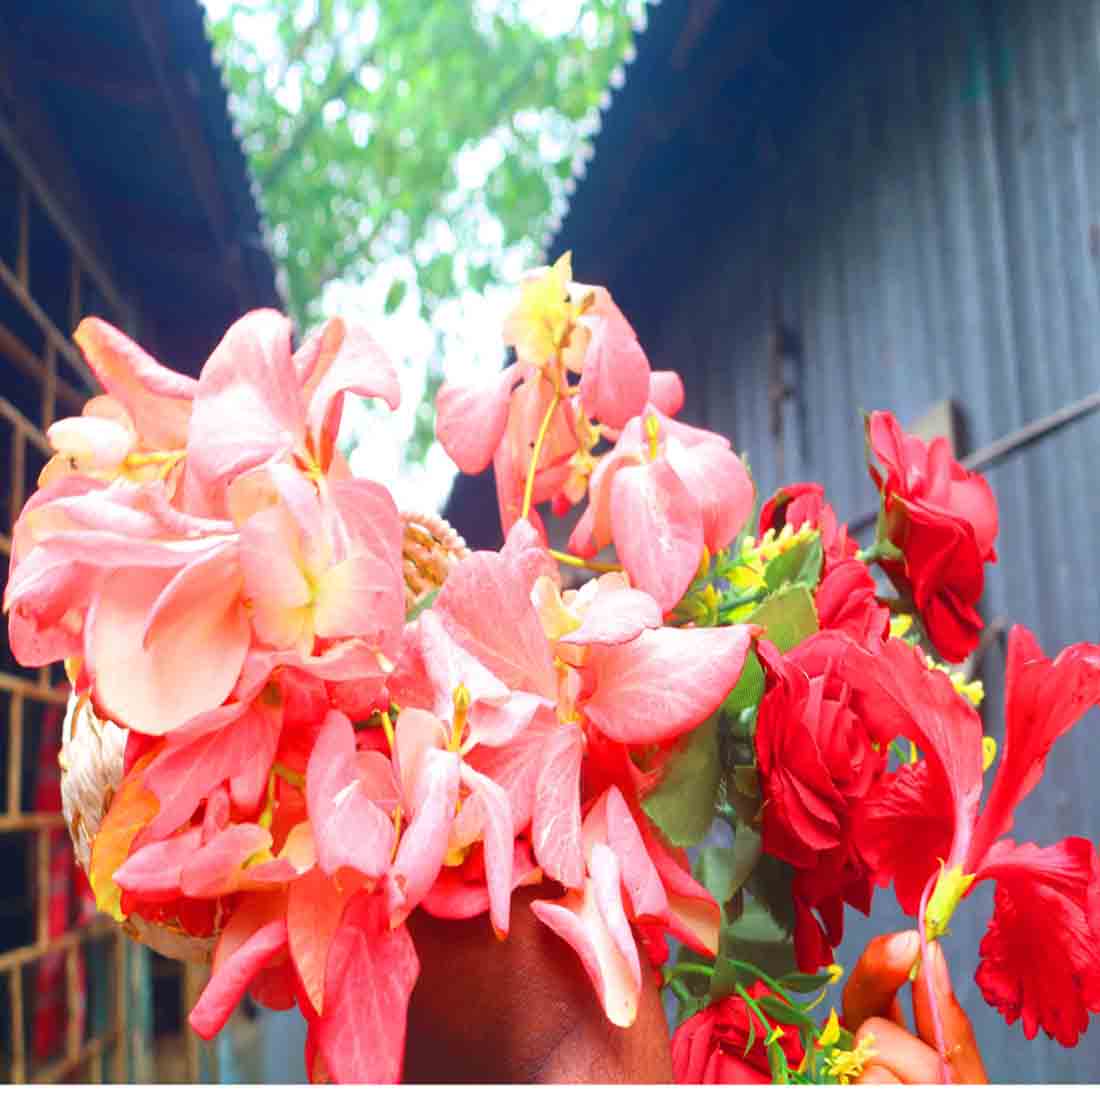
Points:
[(846, 601), (805, 503), (944, 521), (709, 1047), (816, 762)]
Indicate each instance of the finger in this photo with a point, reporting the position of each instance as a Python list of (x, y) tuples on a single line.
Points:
[(903, 1054), (959, 1041), (878, 1075), (882, 970)]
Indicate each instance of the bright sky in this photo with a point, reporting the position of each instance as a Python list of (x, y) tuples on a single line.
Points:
[(469, 328)]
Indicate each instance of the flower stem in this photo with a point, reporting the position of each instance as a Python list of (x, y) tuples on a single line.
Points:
[(688, 968), (926, 976), (585, 563), (544, 427)]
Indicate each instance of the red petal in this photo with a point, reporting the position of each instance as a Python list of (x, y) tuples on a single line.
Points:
[(370, 975), (1043, 699), (903, 830), (1041, 954), (314, 910)]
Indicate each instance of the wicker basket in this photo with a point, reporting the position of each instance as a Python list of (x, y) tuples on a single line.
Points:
[(93, 748)]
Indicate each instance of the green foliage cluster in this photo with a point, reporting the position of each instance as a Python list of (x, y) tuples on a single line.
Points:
[(354, 114)]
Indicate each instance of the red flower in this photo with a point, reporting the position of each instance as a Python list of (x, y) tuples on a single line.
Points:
[(846, 601), (1041, 954), (709, 1047), (805, 503), (944, 521), (817, 762)]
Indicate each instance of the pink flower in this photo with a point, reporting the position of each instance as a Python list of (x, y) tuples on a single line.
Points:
[(662, 493)]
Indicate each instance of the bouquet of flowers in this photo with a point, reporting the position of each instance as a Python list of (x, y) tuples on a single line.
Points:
[(313, 715)]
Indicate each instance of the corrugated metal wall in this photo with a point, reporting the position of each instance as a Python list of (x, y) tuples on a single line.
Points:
[(931, 228)]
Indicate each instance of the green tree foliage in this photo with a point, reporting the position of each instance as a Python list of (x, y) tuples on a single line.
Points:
[(356, 115)]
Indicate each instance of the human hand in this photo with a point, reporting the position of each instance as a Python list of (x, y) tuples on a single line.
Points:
[(871, 1006)]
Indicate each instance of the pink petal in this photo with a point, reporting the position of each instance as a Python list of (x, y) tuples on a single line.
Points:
[(515, 766), (348, 828), (486, 606), (470, 420), (695, 918), (193, 652), (230, 981), (642, 694), (666, 391), (364, 596), (639, 875), (157, 399), (154, 871), (498, 840), (186, 772), (216, 867), (658, 530), (447, 665), (458, 896), (370, 974), (423, 845), (556, 822), (349, 361), (615, 376), (499, 723), (578, 921), (721, 486), (93, 443), (607, 886), (616, 615), (248, 407)]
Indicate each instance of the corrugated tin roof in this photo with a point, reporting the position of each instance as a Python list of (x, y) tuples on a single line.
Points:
[(136, 101)]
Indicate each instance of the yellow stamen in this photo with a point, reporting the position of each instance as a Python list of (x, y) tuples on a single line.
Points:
[(845, 1066), (398, 817), (830, 1034), (387, 725), (653, 434), (295, 779), (461, 697), (989, 753), (900, 625)]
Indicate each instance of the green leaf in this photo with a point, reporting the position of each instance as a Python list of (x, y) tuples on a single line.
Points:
[(788, 617), (422, 605), (682, 806), (770, 885), (797, 982), (723, 871), (777, 1063), (749, 689), (398, 289), (801, 564), (756, 938), (782, 1011)]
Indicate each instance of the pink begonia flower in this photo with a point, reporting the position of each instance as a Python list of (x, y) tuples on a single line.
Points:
[(256, 402), (636, 691), (154, 599), (323, 567), (662, 493), (137, 429)]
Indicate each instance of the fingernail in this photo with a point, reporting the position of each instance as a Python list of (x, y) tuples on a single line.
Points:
[(902, 950)]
